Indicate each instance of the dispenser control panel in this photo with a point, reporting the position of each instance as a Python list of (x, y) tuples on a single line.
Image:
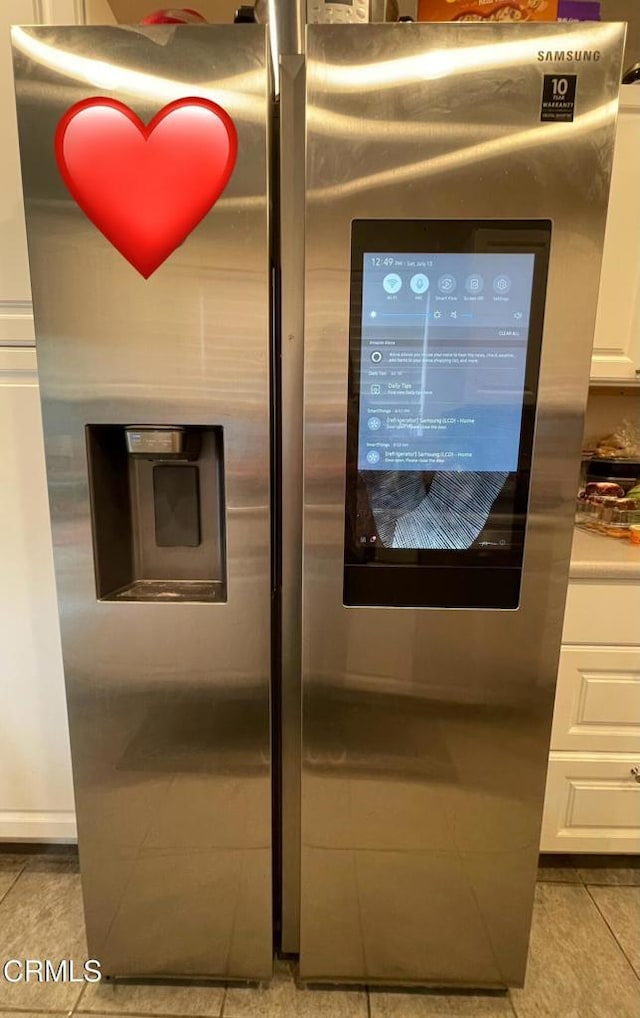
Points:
[(146, 441)]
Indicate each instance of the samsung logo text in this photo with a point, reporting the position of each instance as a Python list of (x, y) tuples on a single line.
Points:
[(568, 56)]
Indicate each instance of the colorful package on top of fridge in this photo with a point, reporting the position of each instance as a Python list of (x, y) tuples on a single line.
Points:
[(487, 10)]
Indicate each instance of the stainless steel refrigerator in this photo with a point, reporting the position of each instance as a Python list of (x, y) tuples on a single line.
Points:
[(312, 484)]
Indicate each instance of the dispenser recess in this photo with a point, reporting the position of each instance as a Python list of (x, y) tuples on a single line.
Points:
[(157, 511)]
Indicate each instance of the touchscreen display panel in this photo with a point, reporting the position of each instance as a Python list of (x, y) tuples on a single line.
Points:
[(442, 370), (445, 341), (444, 344)]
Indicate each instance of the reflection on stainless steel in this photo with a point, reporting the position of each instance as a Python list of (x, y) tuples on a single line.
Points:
[(426, 732), (234, 92), (168, 696), (480, 151), (467, 57), (286, 20)]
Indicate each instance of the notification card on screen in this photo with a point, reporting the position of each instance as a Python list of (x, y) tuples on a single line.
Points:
[(443, 360)]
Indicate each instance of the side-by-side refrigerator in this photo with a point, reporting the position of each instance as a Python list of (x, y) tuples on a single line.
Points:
[(314, 330)]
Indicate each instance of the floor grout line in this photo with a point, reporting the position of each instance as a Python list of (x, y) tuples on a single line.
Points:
[(224, 1000), (8, 1009), (77, 1003), (594, 883), (13, 883), (144, 1014), (611, 931)]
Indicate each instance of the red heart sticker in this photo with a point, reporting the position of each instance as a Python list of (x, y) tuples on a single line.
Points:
[(146, 186)]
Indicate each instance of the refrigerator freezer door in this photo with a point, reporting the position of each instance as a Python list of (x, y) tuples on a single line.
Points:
[(168, 696)]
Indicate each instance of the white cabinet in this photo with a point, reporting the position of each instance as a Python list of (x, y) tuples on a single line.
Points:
[(592, 804), (36, 796), (592, 801), (598, 701), (603, 612), (616, 348), (16, 319), (16, 322)]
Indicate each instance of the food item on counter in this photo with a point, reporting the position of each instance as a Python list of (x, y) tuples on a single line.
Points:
[(634, 492), (487, 10), (603, 507), (603, 488), (627, 503), (618, 471), (623, 443), (634, 533)]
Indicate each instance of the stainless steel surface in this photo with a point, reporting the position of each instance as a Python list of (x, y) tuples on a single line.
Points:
[(168, 703), (291, 388), (286, 20), (414, 868)]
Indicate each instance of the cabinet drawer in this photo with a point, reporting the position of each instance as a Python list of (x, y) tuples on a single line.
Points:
[(598, 700), (592, 803), (607, 613)]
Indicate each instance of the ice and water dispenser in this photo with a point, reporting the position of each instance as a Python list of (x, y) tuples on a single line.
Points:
[(157, 506)]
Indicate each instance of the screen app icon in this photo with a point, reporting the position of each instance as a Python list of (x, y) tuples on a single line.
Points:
[(447, 283), (419, 283), (474, 283), (392, 282)]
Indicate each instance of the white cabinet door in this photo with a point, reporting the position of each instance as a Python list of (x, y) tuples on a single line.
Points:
[(16, 320), (592, 803), (36, 797), (606, 612), (598, 700), (616, 348)]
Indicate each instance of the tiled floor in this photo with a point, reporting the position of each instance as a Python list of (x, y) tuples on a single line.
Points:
[(584, 960)]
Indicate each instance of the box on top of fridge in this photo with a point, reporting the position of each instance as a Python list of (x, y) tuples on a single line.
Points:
[(579, 10), (487, 10)]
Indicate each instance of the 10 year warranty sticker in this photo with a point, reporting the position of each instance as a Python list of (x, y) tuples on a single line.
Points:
[(559, 97)]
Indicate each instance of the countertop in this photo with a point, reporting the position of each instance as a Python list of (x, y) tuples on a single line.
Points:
[(594, 557)]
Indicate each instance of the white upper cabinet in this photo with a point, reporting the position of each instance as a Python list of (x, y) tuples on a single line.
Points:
[(16, 320), (616, 348), (16, 323), (36, 795)]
